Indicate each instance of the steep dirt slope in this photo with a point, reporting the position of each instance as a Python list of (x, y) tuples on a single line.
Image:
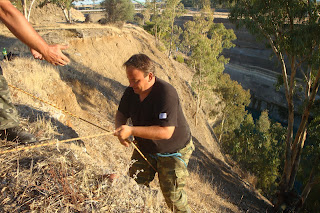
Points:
[(91, 87)]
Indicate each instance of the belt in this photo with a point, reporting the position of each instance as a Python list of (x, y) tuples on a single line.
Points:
[(177, 155)]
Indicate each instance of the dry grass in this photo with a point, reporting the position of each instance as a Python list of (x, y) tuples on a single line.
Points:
[(68, 178), (204, 197)]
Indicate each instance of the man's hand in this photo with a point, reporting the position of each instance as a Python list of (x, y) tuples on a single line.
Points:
[(53, 55), (36, 54), (22, 29), (123, 133), (126, 143)]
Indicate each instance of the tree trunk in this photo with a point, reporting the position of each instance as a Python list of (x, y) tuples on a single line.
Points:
[(306, 189), (290, 164), (172, 25), (222, 124), (154, 16), (66, 14), (70, 16), (24, 7), (197, 111), (32, 2), (287, 181)]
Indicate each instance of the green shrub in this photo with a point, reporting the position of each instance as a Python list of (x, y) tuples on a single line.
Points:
[(118, 10), (148, 26), (179, 58)]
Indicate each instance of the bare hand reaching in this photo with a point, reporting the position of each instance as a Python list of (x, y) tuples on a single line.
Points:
[(53, 55), (36, 54)]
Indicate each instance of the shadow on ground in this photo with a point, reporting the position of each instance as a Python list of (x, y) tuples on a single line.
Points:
[(78, 72), (64, 132)]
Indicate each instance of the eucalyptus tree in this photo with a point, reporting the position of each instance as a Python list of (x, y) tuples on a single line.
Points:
[(156, 18), (25, 6), (118, 10), (233, 102), (252, 139), (291, 28), (147, 11), (173, 10), (311, 153), (204, 41)]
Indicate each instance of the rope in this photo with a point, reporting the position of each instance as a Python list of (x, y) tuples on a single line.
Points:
[(160, 155), (53, 142), (73, 115), (142, 155), (72, 139), (55, 106)]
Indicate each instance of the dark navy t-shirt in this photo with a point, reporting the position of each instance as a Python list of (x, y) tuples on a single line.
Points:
[(160, 108)]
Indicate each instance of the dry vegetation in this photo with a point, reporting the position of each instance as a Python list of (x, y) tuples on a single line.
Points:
[(71, 178)]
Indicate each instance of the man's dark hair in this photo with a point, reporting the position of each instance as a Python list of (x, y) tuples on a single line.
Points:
[(141, 62)]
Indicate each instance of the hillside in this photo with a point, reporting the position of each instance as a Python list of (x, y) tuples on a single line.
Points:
[(71, 178)]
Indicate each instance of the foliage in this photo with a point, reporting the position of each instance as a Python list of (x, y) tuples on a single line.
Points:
[(220, 33), (118, 11), (222, 3), (179, 58), (164, 28), (18, 4), (311, 153), (258, 149), (138, 19), (234, 100), (284, 23), (205, 53), (173, 10), (213, 3), (147, 11), (148, 26), (154, 9), (188, 3), (195, 3)]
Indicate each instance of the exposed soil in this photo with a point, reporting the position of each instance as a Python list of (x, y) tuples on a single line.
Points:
[(92, 84)]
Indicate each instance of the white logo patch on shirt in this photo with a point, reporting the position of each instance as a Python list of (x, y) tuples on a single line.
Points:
[(163, 115)]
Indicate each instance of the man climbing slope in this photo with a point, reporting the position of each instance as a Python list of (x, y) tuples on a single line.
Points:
[(160, 129)]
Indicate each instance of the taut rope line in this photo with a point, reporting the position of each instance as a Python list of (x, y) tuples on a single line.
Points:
[(55, 106), (142, 155), (72, 139), (51, 143), (73, 115)]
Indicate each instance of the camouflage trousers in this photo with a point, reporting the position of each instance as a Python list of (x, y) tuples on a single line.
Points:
[(8, 113), (172, 174)]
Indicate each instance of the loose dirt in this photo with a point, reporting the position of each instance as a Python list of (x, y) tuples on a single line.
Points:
[(91, 87)]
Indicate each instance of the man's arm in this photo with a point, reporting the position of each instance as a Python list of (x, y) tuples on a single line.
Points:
[(147, 132), (120, 119), (22, 29)]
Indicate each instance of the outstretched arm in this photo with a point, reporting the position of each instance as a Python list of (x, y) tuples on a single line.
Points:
[(23, 30)]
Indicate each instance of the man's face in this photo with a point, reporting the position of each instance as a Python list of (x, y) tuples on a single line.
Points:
[(138, 81)]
